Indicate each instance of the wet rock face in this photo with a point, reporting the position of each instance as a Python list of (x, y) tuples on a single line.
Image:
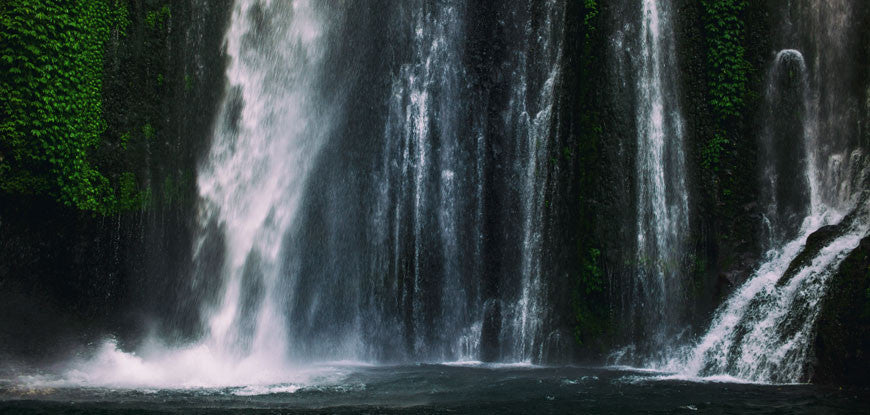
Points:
[(842, 344), (815, 242), (67, 277)]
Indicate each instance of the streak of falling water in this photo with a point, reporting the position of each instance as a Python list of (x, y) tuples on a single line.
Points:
[(535, 120), (271, 127), (662, 199), (434, 186), (787, 190), (422, 127)]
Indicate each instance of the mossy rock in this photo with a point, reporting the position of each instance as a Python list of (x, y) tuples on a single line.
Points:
[(842, 343)]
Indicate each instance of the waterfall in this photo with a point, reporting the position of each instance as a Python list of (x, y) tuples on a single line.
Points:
[(786, 188), (378, 205), (764, 331), (438, 182), (428, 179), (269, 132), (427, 230), (815, 184), (662, 197), (272, 123), (532, 110)]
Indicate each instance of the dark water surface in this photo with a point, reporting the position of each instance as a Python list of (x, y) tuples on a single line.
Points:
[(446, 389)]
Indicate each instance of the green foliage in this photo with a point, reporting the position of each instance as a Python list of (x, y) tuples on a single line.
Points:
[(589, 18), (148, 131), (726, 56), (727, 71), (591, 277), (713, 151), (589, 323), (51, 55), (587, 296), (129, 196), (158, 17), (120, 16), (122, 142), (174, 187)]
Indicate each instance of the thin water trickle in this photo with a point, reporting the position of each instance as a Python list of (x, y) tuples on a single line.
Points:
[(662, 196), (439, 186), (787, 190)]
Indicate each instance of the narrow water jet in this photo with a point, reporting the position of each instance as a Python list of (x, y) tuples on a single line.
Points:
[(662, 195), (788, 133)]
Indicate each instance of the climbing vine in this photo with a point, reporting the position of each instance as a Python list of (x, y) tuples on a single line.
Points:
[(590, 17), (157, 18), (587, 297), (727, 71), (51, 52)]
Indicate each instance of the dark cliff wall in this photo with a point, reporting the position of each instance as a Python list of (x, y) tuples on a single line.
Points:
[(592, 186), (69, 276), (591, 199), (842, 342), (841, 351), (725, 215)]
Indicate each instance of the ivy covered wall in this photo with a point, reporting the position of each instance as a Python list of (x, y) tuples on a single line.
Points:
[(98, 151), (52, 117)]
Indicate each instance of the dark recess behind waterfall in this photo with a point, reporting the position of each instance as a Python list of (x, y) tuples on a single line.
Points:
[(68, 278)]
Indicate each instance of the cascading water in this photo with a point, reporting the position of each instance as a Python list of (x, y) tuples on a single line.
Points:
[(764, 331), (787, 127), (409, 204), (421, 106), (816, 186), (272, 122), (287, 278), (437, 184), (271, 127), (662, 197)]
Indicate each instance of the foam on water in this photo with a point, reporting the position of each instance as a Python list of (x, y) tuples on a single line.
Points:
[(195, 367), (266, 390), (489, 365)]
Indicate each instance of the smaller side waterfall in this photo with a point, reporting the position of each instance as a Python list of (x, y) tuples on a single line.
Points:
[(532, 110), (786, 189), (815, 185), (423, 186), (764, 331)]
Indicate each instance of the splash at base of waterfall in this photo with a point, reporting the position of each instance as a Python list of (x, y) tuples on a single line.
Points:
[(155, 366)]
